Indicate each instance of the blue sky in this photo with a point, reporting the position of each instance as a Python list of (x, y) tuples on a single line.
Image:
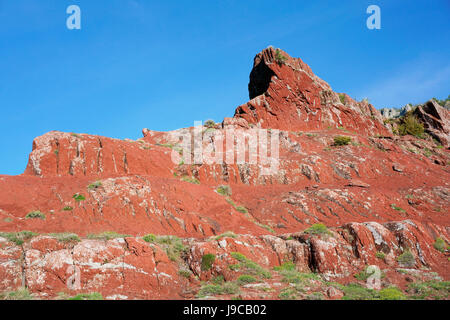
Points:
[(163, 64)]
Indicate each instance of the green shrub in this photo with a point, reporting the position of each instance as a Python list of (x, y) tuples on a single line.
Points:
[(391, 293), (280, 58), (249, 266), (395, 207), (439, 290), (35, 215), (185, 273), (65, 237), (406, 259), (342, 98), (318, 229), (172, 245), (342, 140), (68, 208), (245, 279), (87, 296), (287, 266), (149, 238), (411, 126), (18, 237), (224, 190), (190, 180), (95, 185), (207, 261), (79, 197), (228, 234), (288, 293), (440, 244), (354, 291), (107, 235), (380, 255), (210, 124), (241, 209), (217, 289), (218, 280), (293, 276)]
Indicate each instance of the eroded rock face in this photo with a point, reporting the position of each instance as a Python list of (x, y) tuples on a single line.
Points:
[(130, 268), (436, 121), (289, 96), (379, 195)]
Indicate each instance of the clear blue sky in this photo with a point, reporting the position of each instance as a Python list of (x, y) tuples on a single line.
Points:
[(164, 64)]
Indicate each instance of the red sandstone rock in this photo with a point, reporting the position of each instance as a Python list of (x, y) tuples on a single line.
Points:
[(378, 194)]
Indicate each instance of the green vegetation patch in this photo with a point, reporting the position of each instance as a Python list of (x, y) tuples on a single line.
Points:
[(280, 58), (406, 259), (318, 229), (35, 215), (342, 140), (190, 180), (107, 235), (437, 290), (217, 289), (65, 237), (249, 266), (87, 296), (224, 190), (79, 197), (208, 261), (228, 234), (440, 244), (172, 245), (18, 237), (409, 125), (95, 185), (20, 294), (246, 279)]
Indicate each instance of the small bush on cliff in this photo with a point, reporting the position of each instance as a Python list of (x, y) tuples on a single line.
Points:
[(224, 190), (171, 244), (342, 140), (318, 229), (241, 209), (107, 235), (397, 208), (406, 259), (210, 124), (68, 208), (380, 255), (65, 237), (95, 185), (249, 266), (440, 244), (35, 215), (410, 125), (208, 261), (190, 180), (342, 98), (18, 237), (228, 234), (280, 58), (287, 266), (245, 279), (78, 197), (20, 294)]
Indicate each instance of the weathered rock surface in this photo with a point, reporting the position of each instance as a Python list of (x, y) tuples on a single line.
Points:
[(436, 121)]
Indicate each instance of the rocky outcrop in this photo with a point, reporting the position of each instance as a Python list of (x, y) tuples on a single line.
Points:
[(285, 94), (130, 268), (380, 195), (436, 120), (390, 113)]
